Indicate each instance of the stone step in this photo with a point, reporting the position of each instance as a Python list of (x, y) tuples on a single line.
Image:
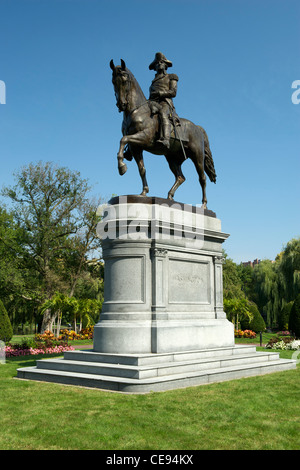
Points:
[(144, 359), (159, 383), (153, 370)]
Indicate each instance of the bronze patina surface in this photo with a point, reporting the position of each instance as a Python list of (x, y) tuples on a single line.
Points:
[(153, 125)]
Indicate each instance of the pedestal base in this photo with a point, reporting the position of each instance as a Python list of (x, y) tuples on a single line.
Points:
[(144, 373), (162, 336)]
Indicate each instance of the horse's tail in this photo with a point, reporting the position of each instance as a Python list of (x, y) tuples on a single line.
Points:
[(209, 166)]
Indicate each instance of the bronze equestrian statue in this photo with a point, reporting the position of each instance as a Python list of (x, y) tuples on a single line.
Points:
[(147, 126)]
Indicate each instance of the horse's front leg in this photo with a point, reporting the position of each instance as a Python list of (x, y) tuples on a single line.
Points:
[(122, 167), (138, 139)]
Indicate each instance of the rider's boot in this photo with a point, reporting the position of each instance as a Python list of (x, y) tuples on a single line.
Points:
[(166, 131)]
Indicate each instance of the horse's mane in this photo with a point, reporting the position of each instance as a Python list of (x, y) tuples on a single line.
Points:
[(137, 85)]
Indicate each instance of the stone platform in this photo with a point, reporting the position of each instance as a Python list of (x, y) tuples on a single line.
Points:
[(144, 373), (162, 324)]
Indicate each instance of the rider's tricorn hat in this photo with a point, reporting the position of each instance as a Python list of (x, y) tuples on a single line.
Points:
[(160, 56)]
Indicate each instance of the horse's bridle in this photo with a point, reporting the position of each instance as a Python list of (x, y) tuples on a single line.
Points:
[(127, 89), (123, 73)]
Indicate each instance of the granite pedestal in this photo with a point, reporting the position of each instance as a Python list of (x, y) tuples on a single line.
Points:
[(163, 279)]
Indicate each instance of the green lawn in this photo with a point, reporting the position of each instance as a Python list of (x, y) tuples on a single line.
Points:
[(253, 413)]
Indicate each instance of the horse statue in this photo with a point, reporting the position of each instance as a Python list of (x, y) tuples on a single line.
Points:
[(141, 131)]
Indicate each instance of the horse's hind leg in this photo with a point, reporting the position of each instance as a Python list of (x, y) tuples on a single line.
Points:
[(179, 178), (138, 156), (198, 162)]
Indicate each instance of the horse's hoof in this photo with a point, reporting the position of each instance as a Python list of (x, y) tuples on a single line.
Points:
[(170, 197), (122, 168), (145, 191)]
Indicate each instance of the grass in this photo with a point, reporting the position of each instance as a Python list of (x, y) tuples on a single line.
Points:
[(265, 339), (257, 413)]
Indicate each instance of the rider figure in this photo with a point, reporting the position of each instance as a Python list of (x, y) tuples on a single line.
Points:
[(163, 88)]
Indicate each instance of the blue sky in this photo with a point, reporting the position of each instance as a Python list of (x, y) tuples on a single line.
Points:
[(236, 61)]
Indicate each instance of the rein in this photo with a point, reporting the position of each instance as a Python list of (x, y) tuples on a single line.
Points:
[(128, 88), (139, 106)]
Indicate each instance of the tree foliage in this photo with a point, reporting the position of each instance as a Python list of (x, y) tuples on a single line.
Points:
[(6, 331), (237, 310), (294, 320), (254, 321), (232, 284), (49, 236), (289, 269), (271, 285)]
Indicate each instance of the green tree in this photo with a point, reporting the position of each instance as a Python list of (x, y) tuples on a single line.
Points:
[(48, 202), (83, 245), (284, 315), (6, 331), (254, 321), (237, 310), (62, 306), (246, 276), (294, 320), (12, 269), (267, 287), (232, 285), (289, 269)]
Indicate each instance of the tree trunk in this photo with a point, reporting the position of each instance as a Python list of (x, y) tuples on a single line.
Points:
[(59, 316), (47, 322)]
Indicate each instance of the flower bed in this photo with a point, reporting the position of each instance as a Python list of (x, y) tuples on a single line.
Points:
[(11, 351), (70, 335), (48, 343), (285, 344), (244, 334), (45, 343)]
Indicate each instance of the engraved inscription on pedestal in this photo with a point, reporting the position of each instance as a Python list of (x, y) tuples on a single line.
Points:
[(189, 282)]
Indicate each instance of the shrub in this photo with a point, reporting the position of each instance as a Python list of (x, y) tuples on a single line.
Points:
[(6, 331), (283, 320), (276, 340), (256, 323), (294, 319)]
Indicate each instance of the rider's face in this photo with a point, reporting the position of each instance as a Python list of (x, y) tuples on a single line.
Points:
[(160, 66)]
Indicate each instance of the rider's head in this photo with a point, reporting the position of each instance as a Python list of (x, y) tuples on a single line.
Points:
[(160, 62)]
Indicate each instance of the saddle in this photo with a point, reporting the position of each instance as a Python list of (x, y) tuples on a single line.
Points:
[(178, 128)]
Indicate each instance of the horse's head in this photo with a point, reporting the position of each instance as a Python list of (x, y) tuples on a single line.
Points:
[(121, 79)]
